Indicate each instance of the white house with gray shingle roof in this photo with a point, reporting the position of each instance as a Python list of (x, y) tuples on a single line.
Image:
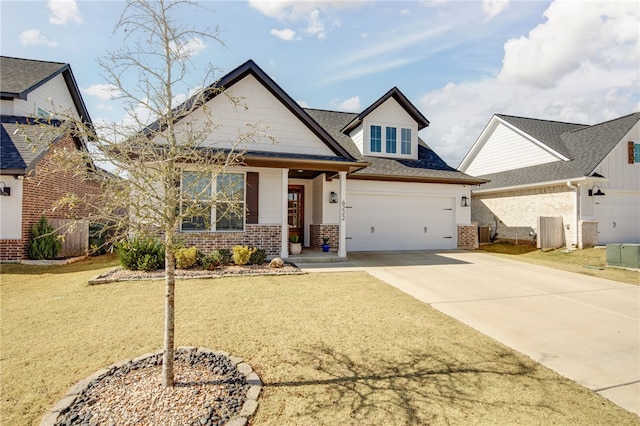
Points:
[(366, 181), (587, 174)]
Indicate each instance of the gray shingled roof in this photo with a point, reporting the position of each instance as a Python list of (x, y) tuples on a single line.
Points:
[(428, 167), (585, 146), (20, 76), (17, 154)]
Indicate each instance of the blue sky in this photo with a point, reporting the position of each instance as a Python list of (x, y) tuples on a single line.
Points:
[(459, 62)]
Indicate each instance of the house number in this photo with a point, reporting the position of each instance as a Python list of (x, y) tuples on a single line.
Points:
[(343, 210)]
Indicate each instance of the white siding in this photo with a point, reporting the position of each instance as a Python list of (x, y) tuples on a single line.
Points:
[(269, 195), (390, 114), (618, 216), (55, 89), (11, 210), (504, 150), (6, 108), (357, 136), (258, 107), (616, 167)]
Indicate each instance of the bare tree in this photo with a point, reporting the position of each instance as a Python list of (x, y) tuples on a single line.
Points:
[(149, 152)]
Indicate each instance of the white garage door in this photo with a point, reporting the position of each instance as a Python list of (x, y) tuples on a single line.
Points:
[(617, 216), (378, 222)]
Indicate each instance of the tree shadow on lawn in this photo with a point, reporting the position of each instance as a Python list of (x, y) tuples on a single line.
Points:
[(418, 387)]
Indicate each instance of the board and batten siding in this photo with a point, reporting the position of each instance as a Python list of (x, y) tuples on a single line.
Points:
[(615, 166), (507, 150), (256, 107)]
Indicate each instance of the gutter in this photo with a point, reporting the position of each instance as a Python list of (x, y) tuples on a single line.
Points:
[(584, 179)]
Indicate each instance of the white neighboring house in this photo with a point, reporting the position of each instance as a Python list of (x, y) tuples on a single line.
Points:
[(366, 181), (587, 174)]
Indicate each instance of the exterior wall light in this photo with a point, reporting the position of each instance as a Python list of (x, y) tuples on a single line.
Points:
[(333, 197), (464, 201), (595, 193), (5, 191)]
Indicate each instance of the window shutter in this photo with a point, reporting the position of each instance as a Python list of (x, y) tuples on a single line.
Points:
[(631, 152), (252, 197)]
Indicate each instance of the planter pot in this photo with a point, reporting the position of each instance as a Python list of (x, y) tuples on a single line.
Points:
[(295, 248), (325, 247)]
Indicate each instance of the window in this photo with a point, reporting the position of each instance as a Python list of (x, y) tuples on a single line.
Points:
[(405, 141), (636, 153), (224, 212), (391, 140), (43, 113), (376, 139)]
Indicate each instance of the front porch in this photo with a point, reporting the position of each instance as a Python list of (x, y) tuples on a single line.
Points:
[(312, 255)]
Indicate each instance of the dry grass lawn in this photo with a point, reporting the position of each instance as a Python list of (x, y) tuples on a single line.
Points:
[(331, 349), (591, 261)]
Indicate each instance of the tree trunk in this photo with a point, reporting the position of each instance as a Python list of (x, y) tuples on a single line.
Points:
[(169, 323)]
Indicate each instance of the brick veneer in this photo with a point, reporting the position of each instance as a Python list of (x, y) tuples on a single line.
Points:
[(40, 192), (266, 237), (319, 231), (468, 237)]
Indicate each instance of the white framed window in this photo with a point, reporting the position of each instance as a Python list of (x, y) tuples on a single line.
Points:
[(376, 139), (636, 153), (391, 133), (222, 213), (405, 141)]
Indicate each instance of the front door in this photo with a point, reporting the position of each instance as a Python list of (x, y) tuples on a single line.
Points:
[(296, 211)]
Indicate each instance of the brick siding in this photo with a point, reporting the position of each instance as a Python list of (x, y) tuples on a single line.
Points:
[(40, 192), (468, 237), (319, 231), (266, 237)]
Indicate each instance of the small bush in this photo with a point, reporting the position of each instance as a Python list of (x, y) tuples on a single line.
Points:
[(219, 257), (242, 254), (258, 257), (44, 243), (186, 257), (144, 254)]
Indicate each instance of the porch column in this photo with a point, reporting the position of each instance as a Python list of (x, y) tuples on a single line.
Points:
[(342, 194), (284, 235)]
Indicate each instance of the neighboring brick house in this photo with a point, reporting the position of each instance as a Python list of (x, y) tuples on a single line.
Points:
[(589, 175), (28, 89)]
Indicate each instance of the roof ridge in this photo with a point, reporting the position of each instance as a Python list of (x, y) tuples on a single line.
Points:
[(34, 60), (328, 110), (606, 122), (543, 119)]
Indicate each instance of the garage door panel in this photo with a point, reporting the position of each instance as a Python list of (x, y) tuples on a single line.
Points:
[(399, 222)]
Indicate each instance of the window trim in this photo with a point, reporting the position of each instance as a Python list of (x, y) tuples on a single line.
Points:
[(379, 138), (213, 225), (386, 148)]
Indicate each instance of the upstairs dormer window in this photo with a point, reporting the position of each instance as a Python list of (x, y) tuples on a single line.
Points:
[(391, 140), (405, 142), (376, 138)]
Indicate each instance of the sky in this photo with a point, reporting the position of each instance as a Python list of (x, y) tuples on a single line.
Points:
[(458, 62)]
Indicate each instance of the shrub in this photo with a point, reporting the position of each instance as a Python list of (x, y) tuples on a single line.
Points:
[(186, 257), (144, 254), (219, 257), (44, 243), (258, 257), (242, 254)]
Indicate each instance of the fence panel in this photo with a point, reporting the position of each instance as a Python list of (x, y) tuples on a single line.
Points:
[(76, 236), (550, 233)]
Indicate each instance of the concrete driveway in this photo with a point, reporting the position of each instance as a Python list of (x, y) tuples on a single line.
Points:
[(585, 328)]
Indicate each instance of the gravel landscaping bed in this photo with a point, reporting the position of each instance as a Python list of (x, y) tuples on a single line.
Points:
[(211, 388)]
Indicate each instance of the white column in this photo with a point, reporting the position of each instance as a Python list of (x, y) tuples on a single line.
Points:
[(342, 198), (284, 235)]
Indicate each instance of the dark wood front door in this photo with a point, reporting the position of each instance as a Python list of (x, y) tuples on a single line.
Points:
[(296, 211)]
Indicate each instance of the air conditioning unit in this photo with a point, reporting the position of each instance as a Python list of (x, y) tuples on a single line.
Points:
[(630, 255)]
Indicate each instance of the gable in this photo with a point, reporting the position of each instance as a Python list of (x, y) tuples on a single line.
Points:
[(502, 147), (258, 107), (616, 164), (40, 99)]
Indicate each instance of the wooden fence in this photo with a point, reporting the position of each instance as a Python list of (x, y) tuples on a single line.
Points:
[(75, 233), (550, 233)]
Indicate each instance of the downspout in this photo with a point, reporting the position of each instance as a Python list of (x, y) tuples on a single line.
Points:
[(576, 211)]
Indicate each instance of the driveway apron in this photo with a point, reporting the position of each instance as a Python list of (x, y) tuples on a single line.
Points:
[(585, 328)]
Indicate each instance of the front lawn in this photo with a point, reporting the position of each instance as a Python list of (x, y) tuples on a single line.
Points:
[(331, 349)]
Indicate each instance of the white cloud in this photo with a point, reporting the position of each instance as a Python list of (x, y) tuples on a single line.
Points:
[(64, 12), (104, 92), (351, 105), (190, 48), (604, 33), (599, 85), (315, 14), (492, 8), (33, 36), (286, 34)]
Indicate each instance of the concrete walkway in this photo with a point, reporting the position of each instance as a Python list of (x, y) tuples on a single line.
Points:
[(585, 328)]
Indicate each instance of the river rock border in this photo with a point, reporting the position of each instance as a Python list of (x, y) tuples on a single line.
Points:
[(56, 414)]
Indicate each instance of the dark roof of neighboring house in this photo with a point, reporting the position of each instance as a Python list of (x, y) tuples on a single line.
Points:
[(18, 77), (396, 94), (428, 167), (585, 146), (18, 155)]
